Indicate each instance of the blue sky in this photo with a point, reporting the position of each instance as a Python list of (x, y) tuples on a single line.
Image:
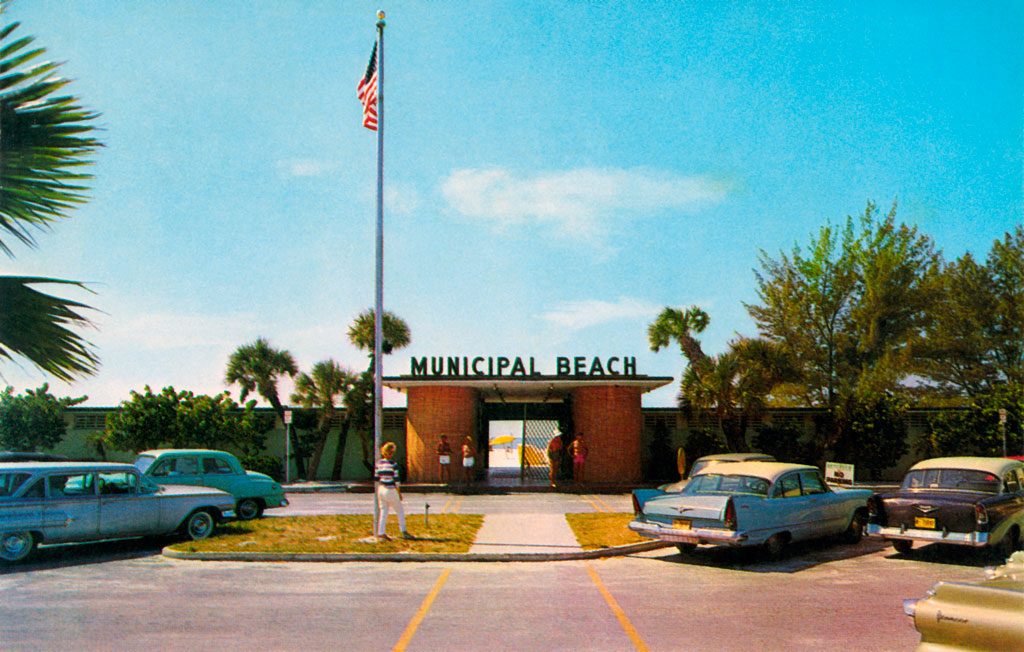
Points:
[(555, 172)]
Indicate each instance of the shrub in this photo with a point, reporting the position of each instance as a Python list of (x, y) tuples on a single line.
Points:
[(266, 464)]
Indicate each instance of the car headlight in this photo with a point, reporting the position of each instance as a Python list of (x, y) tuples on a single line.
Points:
[(910, 607)]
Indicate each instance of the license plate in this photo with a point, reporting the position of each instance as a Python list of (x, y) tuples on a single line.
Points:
[(922, 522), (682, 524)]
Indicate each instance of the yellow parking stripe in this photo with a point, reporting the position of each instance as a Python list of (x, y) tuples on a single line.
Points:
[(455, 507), (607, 507), (631, 632), (444, 510), (418, 618), (592, 503)]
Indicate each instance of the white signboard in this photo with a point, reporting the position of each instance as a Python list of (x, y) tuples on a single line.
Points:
[(839, 474)]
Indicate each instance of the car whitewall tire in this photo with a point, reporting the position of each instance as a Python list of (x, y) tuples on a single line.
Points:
[(248, 509), (15, 546), (199, 525)]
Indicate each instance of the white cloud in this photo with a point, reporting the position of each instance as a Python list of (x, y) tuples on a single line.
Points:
[(303, 167), (576, 202), (577, 315)]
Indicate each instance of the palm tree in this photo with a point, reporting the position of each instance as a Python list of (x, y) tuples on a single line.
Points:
[(676, 324), (740, 378), (327, 382), (735, 384), (257, 367), (44, 140), (359, 402), (395, 331)]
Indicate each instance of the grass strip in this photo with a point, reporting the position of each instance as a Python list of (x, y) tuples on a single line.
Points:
[(452, 533), (602, 530)]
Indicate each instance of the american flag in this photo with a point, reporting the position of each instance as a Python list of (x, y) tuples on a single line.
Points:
[(368, 92)]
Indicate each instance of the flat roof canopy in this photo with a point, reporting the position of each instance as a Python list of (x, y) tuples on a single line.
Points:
[(527, 389)]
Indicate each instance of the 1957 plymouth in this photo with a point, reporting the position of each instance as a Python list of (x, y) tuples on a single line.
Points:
[(750, 504), (58, 502)]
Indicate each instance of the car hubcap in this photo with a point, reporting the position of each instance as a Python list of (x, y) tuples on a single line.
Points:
[(14, 545), (200, 526)]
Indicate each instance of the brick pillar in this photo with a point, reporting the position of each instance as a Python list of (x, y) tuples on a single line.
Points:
[(611, 421), (431, 412)]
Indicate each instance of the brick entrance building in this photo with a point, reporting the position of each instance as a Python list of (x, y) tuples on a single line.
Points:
[(606, 409)]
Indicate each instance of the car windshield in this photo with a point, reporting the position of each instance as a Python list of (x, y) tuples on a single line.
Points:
[(952, 479), (719, 483), (143, 462)]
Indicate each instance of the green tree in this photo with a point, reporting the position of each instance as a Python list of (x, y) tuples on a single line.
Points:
[(852, 312), (733, 385), (45, 140), (33, 421), (975, 428), (701, 442), (328, 382), (679, 325), (1006, 264), (786, 442), (184, 420), (957, 353), (257, 367), (873, 432), (359, 401)]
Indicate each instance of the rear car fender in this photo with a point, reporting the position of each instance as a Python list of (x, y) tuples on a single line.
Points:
[(641, 496)]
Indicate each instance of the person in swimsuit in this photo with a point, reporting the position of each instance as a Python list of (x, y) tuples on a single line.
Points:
[(578, 450), (468, 452), (554, 457), (444, 459)]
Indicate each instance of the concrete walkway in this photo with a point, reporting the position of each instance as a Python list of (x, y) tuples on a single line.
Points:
[(524, 533)]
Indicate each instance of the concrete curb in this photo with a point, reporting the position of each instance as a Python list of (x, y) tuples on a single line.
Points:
[(617, 551)]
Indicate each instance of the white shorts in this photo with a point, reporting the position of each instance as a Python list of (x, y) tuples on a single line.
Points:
[(467, 462), (445, 459)]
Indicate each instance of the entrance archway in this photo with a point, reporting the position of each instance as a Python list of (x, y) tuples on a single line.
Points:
[(607, 409), (518, 451)]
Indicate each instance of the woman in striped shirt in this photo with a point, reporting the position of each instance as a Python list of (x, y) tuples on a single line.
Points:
[(388, 493)]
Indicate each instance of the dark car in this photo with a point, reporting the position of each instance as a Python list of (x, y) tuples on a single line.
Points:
[(967, 501)]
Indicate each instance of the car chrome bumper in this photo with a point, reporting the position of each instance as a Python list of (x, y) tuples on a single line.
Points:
[(695, 536), (974, 539)]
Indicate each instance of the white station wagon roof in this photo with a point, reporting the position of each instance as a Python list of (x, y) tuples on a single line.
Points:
[(995, 465), (766, 470)]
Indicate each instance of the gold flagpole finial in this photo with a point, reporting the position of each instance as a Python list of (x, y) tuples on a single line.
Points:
[(380, 16)]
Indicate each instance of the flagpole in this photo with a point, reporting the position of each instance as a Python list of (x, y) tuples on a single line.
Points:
[(378, 313)]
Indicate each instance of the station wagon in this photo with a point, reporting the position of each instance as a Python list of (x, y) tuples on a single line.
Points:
[(61, 502)]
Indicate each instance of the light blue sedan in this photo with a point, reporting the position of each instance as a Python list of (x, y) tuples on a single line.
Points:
[(751, 504)]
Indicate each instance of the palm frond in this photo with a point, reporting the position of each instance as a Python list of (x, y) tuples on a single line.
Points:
[(33, 325), (44, 142)]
